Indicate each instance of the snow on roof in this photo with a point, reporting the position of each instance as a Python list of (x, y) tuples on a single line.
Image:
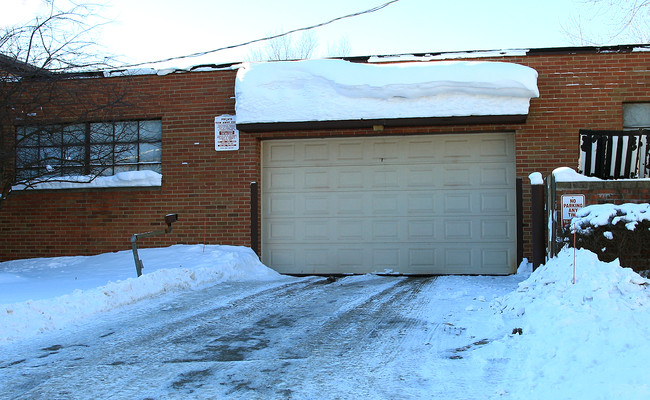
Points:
[(336, 90), (448, 55)]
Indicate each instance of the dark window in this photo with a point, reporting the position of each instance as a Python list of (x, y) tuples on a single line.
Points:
[(103, 148), (636, 115)]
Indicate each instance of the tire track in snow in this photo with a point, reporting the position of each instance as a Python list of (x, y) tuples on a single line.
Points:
[(300, 338)]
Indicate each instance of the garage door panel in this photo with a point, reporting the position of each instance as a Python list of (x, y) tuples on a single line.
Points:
[(458, 149), (281, 152), (497, 229), (412, 204), (352, 258), (350, 204), (316, 179), (386, 204), (491, 147), (421, 176), (458, 229), (421, 258), (282, 258), (385, 178), (420, 203), (351, 178), (350, 230), (422, 150), (314, 205), (457, 202), (281, 204), (387, 150), (387, 230), (495, 260), (422, 230), (350, 150), (456, 176), (281, 180), (386, 258), (282, 230), (316, 152), (319, 230), (457, 258), (496, 202), (492, 176)]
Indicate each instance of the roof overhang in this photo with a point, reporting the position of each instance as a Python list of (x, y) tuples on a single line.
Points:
[(372, 123)]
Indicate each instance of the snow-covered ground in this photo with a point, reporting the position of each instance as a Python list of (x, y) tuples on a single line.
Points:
[(42, 294), (546, 338)]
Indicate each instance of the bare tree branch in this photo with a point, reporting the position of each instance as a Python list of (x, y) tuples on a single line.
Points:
[(41, 101), (611, 21)]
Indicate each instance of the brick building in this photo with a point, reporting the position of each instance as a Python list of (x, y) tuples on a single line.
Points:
[(377, 229)]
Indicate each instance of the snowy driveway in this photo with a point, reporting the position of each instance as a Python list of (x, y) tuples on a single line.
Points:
[(367, 337)]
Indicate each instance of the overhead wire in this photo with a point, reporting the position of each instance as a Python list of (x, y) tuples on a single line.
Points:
[(202, 53)]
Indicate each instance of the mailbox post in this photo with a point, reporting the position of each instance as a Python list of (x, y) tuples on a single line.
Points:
[(169, 219)]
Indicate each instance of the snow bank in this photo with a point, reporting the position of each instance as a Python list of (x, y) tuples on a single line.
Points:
[(586, 340), (121, 179), (330, 90), (66, 289)]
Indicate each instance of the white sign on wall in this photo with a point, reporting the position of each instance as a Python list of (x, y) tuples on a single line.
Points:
[(226, 135), (571, 203)]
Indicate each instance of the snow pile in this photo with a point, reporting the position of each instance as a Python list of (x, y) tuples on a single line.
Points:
[(121, 179), (610, 214), (582, 340), (37, 295), (335, 90)]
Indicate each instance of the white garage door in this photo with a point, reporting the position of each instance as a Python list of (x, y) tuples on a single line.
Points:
[(434, 204)]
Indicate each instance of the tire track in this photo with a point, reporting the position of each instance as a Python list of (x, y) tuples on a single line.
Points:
[(285, 339)]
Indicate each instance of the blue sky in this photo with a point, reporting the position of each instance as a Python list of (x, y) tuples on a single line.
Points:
[(145, 30)]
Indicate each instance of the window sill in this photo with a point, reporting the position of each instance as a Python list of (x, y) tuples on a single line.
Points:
[(119, 180)]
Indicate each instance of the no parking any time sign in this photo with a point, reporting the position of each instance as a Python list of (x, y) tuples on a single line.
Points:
[(571, 203)]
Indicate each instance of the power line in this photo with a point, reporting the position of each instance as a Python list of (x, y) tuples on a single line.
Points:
[(202, 53)]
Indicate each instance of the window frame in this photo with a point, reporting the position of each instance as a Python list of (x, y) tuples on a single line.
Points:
[(73, 149)]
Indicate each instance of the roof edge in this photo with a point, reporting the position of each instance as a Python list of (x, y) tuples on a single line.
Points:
[(391, 122)]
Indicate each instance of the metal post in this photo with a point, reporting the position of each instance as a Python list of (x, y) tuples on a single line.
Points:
[(138, 261), (169, 219), (255, 218), (520, 221), (537, 215)]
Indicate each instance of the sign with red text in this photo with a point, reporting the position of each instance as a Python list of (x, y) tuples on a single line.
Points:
[(226, 135), (571, 203)]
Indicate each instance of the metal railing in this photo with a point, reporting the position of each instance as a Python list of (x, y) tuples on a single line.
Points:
[(615, 154)]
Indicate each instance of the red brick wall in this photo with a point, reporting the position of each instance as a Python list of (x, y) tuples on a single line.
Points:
[(210, 190)]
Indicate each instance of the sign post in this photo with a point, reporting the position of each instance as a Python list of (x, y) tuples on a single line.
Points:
[(226, 135)]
